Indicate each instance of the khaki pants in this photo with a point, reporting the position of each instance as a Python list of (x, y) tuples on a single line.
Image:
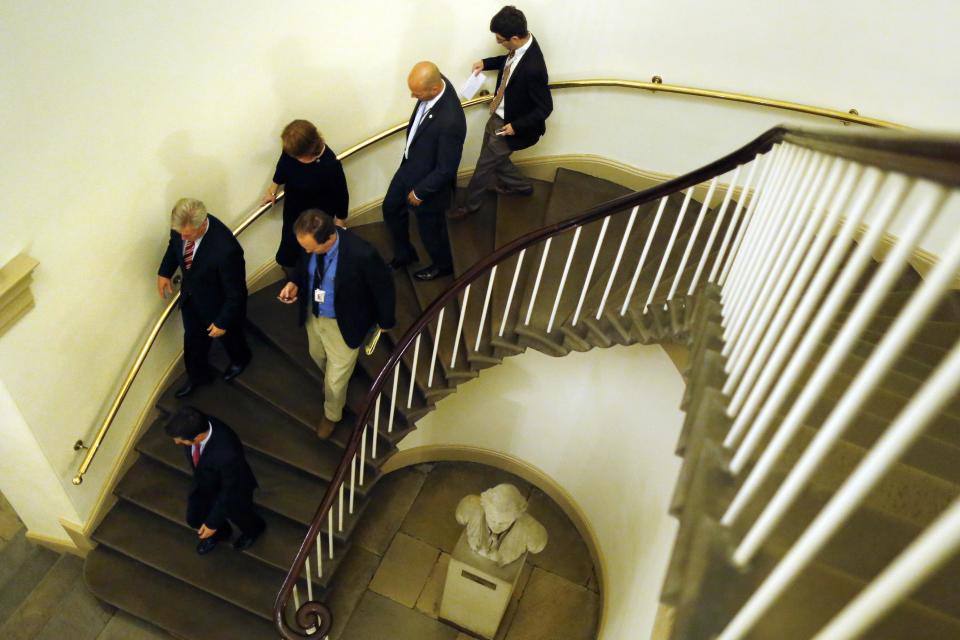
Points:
[(335, 359)]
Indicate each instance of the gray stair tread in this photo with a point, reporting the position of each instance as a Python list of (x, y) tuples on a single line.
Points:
[(43, 599), (163, 491), (121, 581), (283, 489), (163, 545), (26, 564), (263, 429)]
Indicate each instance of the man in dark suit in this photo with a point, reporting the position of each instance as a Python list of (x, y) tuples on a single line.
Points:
[(344, 289), (427, 175), (213, 298), (518, 111), (223, 483)]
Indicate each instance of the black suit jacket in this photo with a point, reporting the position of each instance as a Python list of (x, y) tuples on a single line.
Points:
[(223, 472), (430, 168), (215, 286), (363, 293), (527, 100)]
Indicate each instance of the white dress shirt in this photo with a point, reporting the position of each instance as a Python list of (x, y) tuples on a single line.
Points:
[(513, 65), (196, 243), (205, 440), (423, 112)]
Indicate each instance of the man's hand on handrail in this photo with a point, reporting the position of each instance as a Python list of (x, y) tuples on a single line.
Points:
[(164, 286)]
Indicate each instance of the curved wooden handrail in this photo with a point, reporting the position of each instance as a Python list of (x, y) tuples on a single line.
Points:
[(654, 86)]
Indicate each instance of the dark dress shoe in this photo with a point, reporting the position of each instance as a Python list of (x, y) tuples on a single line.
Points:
[(433, 272), (245, 541), (325, 428), (233, 371), (400, 263), (206, 545), (184, 391), (525, 191), (459, 213)]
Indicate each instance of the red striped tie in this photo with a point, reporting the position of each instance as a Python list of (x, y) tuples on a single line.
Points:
[(188, 254), (196, 455)]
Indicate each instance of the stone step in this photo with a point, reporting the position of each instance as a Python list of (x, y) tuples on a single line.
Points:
[(119, 580), (160, 490), (283, 489)]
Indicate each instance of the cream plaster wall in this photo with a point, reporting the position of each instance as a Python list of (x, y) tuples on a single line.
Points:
[(608, 442), (113, 110)]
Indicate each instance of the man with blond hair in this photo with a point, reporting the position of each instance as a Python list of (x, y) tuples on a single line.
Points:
[(213, 296)]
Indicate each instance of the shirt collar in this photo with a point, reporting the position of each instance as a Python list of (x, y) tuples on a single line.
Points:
[(433, 101), (522, 50)]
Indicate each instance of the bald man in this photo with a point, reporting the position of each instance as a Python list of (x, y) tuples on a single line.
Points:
[(426, 178)]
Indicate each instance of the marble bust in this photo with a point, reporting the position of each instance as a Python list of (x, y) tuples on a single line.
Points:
[(498, 525)]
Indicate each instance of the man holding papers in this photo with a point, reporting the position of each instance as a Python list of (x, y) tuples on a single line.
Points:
[(518, 111)]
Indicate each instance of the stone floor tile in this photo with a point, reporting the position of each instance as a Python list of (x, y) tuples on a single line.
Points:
[(123, 626), (432, 517), (566, 553), (390, 501), (429, 600), (379, 618), (43, 601), (80, 616), (463, 636), (349, 584), (553, 607), (404, 570), (523, 580)]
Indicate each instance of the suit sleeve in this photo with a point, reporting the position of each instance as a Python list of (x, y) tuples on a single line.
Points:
[(379, 282), (449, 151), (233, 279), (232, 482), (495, 62), (171, 259), (542, 101), (341, 205)]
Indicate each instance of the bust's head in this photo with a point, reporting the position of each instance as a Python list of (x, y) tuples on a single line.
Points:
[(502, 505)]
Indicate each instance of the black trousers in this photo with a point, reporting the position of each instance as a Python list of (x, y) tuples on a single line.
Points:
[(239, 511), (431, 221), (196, 345)]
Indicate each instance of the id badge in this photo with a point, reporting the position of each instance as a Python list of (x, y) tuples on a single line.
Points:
[(319, 295)]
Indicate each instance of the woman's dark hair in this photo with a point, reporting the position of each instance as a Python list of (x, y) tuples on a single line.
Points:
[(187, 423), (300, 138), (316, 223), (509, 22)]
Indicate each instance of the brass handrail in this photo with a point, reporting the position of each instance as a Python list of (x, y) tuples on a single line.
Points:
[(655, 85)]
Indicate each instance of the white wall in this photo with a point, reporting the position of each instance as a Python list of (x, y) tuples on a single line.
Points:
[(609, 444), (112, 111)]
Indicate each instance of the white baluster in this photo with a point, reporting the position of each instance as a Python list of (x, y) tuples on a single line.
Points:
[(456, 340), (319, 541), (330, 531), (363, 449), (413, 371), (563, 278), (909, 425), (353, 480), (593, 264), (436, 347), (340, 514), (513, 289), (728, 196), (732, 227), (393, 406), (309, 581), (486, 306), (666, 254), (643, 257), (536, 283), (296, 598), (693, 238), (616, 263)]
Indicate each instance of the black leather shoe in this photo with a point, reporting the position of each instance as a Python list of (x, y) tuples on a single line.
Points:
[(233, 371), (184, 391), (206, 546), (525, 191), (459, 213), (400, 263), (245, 541), (433, 272)]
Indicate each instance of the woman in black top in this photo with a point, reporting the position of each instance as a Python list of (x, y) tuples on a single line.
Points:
[(313, 179)]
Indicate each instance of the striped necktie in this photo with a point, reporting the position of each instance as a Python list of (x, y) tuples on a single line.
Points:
[(188, 254), (196, 455), (508, 67)]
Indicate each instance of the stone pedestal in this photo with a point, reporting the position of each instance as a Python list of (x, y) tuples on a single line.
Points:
[(477, 590)]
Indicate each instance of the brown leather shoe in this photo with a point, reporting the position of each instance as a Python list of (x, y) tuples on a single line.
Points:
[(458, 213), (325, 428)]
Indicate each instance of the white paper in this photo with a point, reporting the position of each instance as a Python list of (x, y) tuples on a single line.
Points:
[(472, 85)]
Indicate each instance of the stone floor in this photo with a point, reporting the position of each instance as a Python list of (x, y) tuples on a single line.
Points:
[(404, 546), (388, 587)]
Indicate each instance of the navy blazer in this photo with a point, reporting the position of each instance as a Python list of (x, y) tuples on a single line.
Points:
[(222, 472), (215, 286), (430, 168), (527, 99), (363, 292)]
